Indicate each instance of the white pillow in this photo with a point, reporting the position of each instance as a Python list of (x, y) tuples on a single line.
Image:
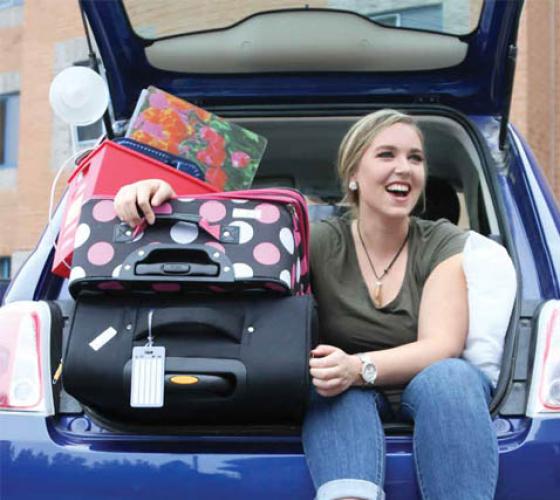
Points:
[(492, 285)]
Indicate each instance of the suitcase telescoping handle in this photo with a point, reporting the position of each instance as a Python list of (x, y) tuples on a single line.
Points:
[(177, 269), (176, 262)]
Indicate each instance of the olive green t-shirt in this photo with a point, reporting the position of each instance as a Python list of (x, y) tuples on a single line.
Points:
[(347, 317)]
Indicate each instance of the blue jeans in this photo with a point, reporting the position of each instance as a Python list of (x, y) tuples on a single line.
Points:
[(455, 447)]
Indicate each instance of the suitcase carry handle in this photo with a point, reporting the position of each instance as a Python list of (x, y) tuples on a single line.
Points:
[(227, 377), (223, 234), (176, 262), (195, 383), (227, 324), (122, 233)]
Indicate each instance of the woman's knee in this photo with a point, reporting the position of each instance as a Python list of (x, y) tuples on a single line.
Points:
[(352, 400)]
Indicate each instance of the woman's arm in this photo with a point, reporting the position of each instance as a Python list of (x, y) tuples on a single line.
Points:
[(442, 329)]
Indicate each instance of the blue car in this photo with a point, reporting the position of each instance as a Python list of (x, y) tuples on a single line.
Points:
[(301, 76)]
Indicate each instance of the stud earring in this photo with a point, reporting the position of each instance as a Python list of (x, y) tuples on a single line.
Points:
[(353, 186)]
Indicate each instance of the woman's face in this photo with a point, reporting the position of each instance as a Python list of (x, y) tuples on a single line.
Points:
[(391, 173)]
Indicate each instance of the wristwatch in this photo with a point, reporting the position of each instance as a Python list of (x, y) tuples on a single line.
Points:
[(369, 371)]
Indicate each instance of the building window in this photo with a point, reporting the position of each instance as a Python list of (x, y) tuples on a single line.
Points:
[(9, 130), (5, 268), (428, 17), (6, 4), (388, 19)]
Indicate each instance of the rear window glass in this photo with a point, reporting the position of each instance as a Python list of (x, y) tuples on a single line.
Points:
[(154, 19)]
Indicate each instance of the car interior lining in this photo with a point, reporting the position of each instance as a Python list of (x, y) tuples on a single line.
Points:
[(301, 154), (319, 40)]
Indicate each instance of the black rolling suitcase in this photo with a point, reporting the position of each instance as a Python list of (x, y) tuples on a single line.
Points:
[(227, 360)]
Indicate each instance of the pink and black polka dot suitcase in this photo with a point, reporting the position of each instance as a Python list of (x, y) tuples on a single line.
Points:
[(253, 240)]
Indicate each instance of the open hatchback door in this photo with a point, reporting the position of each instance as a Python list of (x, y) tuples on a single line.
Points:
[(458, 53)]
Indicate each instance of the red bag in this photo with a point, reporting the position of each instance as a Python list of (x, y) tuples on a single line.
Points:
[(101, 174)]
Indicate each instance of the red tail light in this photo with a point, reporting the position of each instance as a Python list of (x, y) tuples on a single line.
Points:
[(25, 358), (544, 395)]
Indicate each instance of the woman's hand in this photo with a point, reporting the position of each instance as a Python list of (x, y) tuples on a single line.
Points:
[(333, 370), (141, 195)]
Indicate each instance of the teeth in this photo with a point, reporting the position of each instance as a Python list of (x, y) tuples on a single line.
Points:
[(399, 188)]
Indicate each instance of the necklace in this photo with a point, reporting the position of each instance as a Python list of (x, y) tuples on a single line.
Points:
[(377, 293)]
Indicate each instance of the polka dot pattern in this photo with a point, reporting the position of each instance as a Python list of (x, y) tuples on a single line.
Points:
[(213, 211), (117, 271), (269, 213), (246, 231), (77, 273), (104, 211), (286, 277), (83, 232), (242, 271), (184, 232), (287, 239), (266, 254), (100, 253)]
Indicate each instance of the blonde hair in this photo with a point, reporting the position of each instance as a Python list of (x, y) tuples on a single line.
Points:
[(359, 138)]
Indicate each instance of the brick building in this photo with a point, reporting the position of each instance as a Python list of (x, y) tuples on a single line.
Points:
[(38, 38)]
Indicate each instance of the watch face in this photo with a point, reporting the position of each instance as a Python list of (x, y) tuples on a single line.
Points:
[(369, 372)]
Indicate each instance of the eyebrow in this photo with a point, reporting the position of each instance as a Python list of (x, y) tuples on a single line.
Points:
[(393, 148)]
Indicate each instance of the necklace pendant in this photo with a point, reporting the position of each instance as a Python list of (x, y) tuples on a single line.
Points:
[(377, 295)]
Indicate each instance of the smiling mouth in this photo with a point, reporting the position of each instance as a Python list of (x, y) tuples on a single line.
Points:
[(398, 189)]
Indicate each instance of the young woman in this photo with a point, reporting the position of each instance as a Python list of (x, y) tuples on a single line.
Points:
[(393, 315)]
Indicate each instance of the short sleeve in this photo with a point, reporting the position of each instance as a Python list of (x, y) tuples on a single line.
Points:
[(440, 240), (324, 238), (320, 236)]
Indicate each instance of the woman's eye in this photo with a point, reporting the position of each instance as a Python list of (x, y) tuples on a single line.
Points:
[(385, 154), (417, 158)]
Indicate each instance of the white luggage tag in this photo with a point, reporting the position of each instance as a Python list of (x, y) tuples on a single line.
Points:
[(148, 373)]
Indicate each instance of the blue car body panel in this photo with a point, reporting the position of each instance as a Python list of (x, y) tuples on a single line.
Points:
[(38, 463)]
